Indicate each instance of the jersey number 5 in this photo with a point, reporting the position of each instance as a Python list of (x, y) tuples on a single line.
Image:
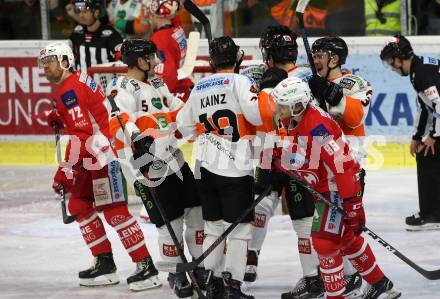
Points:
[(224, 122)]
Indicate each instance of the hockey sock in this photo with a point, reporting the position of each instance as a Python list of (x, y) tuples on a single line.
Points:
[(167, 249), (216, 260), (128, 230), (263, 212), (194, 233), (236, 254), (307, 254), (361, 256), (93, 232), (331, 267)]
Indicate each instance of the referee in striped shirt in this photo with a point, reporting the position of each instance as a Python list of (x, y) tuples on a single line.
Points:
[(93, 41)]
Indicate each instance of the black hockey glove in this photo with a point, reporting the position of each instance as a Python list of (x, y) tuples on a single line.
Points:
[(141, 146), (323, 90), (272, 77)]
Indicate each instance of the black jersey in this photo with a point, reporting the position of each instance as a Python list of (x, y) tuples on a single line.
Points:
[(425, 77), (97, 47)]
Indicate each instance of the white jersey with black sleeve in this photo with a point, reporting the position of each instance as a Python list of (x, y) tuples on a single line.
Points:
[(222, 112)]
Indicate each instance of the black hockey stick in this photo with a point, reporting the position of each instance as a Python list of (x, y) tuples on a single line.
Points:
[(185, 267), (300, 8), (431, 275), (141, 188), (66, 218), (200, 16)]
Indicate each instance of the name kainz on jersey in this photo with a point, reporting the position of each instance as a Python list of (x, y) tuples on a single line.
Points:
[(214, 99)]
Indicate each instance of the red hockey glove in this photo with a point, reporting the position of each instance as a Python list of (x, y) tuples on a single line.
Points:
[(355, 218), (64, 176), (55, 118)]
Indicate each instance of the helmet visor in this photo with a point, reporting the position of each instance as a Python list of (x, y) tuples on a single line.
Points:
[(45, 60)]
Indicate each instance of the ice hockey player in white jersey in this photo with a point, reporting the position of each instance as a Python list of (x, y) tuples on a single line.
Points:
[(221, 112), (149, 111)]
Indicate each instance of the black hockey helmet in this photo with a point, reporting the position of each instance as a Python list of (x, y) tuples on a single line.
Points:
[(132, 49), (398, 47), (332, 44), (89, 4), (279, 42), (224, 53)]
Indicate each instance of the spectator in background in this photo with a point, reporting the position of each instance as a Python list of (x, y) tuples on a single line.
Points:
[(382, 17), (93, 41), (427, 13), (20, 19), (130, 17)]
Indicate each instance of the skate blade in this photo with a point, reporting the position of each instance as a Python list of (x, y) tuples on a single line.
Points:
[(391, 294), (103, 280), (355, 294), (150, 283), (424, 227)]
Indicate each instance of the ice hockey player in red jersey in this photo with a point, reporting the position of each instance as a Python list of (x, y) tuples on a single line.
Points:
[(91, 175), (171, 44), (316, 149)]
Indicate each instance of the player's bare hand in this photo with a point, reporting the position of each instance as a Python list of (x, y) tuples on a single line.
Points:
[(414, 147), (429, 145)]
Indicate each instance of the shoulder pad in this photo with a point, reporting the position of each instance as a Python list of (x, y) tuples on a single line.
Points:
[(352, 83), (78, 29), (157, 82), (302, 72)]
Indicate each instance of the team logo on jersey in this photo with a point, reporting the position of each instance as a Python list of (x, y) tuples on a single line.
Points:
[(92, 84), (157, 103), (135, 85), (157, 82), (321, 133), (106, 33), (347, 83), (69, 99)]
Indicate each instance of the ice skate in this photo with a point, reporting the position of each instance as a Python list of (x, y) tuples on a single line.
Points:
[(214, 287), (383, 289), (145, 277), (306, 288), (250, 274), (101, 273), (233, 288), (180, 285), (201, 277), (353, 285), (418, 223)]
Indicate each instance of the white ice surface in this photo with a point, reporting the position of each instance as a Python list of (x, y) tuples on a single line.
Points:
[(40, 256)]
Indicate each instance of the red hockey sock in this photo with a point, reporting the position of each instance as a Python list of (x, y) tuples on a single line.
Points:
[(128, 230), (331, 266), (93, 232), (362, 257)]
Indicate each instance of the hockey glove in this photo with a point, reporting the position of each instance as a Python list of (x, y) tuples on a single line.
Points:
[(272, 77), (142, 146), (323, 90), (54, 118), (355, 214), (64, 176)]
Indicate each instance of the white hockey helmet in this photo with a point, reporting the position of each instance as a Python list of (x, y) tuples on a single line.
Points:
[(294, 93), (59, 50)]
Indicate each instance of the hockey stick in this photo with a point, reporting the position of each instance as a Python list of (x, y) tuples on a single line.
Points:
[(200, 16), (431, 275), (191, 55), (185, 267), (300, 8), (141, 186), (66, 218)]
